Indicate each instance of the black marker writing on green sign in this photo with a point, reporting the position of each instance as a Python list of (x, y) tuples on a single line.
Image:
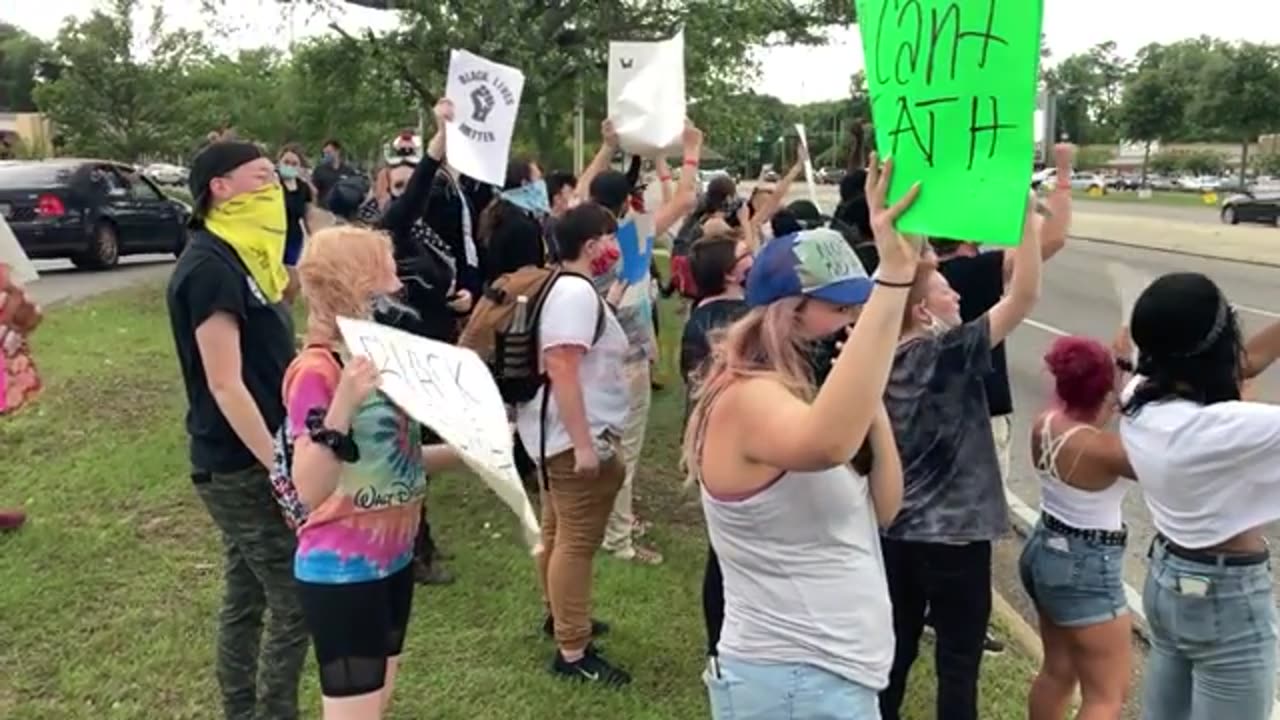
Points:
[(938, 39)]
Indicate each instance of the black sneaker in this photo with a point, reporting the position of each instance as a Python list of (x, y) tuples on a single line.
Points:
[(590, 668), (598, 627), (991, 645)]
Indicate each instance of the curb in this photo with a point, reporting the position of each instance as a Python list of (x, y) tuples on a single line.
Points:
[(1021, 634), (1171, 251)]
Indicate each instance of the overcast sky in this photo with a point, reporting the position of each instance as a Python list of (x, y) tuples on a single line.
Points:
[(795, 75)]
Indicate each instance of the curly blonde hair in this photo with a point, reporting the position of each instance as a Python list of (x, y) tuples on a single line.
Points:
[(340, 270)]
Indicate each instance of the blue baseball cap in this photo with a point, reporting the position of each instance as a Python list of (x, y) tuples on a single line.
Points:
[(814, 263)]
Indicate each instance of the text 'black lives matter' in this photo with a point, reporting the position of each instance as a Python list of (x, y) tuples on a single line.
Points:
[(484, 93), (929, 45)]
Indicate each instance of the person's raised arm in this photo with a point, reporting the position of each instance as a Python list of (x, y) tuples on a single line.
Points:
[(1103, 450), (412, 203), (608, 147), (1053, 235), (769, 208), (1023, 289), (781, 431), (317, 468), (1262, 350), (663, 171), (686, 197)]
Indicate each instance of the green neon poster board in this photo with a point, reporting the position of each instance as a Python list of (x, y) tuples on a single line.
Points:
[(953, 96)]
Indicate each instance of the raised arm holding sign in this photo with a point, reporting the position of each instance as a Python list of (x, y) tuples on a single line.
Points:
[(953, 91), (449, 390)]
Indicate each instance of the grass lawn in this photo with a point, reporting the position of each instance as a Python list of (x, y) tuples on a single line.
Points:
[(1175, 199), (108, 597)]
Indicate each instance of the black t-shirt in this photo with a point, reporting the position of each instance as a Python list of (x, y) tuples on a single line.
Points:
[(295, 208), (980, 282), (325, 176), (207, 279), (695, 343)]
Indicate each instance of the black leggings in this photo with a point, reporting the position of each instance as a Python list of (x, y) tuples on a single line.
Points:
[(712, 601), (355, 627)]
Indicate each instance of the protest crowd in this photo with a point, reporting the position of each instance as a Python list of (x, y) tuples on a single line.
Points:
[(848, 425)]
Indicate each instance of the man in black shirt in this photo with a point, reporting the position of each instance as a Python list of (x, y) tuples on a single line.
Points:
[(233, 344), (332, 168)]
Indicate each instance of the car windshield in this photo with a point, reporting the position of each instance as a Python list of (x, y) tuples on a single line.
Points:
[(29, 175)]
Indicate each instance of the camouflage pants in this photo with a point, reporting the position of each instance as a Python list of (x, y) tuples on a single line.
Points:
[(258, 676)]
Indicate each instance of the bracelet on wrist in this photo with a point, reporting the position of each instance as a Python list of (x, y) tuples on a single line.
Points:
[(342, 445), (893, 284), (691, 161)]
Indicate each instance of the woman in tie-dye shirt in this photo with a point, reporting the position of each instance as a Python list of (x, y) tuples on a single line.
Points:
[(360, 467)]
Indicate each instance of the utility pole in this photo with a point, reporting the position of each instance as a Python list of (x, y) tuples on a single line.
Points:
[(579, 130)]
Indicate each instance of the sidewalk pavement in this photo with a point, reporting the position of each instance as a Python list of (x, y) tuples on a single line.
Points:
[(1256, 244)]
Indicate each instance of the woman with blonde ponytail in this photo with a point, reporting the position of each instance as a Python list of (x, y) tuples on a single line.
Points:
[(360, 468), (806, 634)]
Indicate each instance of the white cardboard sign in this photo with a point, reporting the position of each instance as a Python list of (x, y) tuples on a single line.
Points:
[(486, 100), (646, 98), (449, 390)]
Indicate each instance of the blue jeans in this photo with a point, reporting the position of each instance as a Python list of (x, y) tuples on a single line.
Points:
[(743, 690), (1074, 582), (1213, 640)]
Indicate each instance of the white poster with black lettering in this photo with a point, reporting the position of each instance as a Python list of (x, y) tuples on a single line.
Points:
[(646, 98), (449, 390), (486, 100)]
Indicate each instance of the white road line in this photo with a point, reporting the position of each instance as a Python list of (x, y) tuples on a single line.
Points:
[(1045, 327), (1257, 311)]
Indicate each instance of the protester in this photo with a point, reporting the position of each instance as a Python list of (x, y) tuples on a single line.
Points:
[(575, 421), (613, 190), (453, 215), (353, 567), (1072, 564), (332, 169), (291, 166), (431, 291), (806, 634), (233, 344), (562, 189), (1206, 461), (19, 381), (938, 550)]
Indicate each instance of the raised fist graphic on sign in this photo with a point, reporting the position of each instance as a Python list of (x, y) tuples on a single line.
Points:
[(482, 102)]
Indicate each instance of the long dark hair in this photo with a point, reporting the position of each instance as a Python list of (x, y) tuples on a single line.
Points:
[(1189, 344), (512, 239)]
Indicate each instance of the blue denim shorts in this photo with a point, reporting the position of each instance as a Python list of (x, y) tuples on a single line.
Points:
[(1073, 581), (742, 690)]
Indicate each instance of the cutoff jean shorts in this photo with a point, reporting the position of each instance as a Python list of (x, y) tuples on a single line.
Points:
[(1075, 582)]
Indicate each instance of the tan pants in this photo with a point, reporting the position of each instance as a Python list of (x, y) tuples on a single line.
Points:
[(617, 534), (574, 513)]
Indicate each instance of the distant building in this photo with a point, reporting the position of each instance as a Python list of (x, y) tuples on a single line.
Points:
[(31, 132)]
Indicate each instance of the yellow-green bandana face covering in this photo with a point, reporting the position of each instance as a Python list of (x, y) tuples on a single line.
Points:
[(253, 224)]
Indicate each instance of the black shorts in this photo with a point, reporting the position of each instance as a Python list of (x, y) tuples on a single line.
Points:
[(355, 628)]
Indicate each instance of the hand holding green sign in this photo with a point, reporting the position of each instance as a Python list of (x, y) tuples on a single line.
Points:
[(953, 92)]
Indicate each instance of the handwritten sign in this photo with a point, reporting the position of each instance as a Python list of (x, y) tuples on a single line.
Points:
[(486, 98), (21, 271), (953, 93), (808, 167), (646, 94), (449, 390), (635, 242)]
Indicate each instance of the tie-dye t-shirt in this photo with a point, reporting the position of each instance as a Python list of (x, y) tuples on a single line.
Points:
[(365, 530)]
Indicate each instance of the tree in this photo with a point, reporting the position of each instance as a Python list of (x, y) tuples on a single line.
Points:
[(1153, 108), (1202, 162), (21, 58), (1166, 162), (1089, 86), (562, 48), (1240, 93), (106, 102)]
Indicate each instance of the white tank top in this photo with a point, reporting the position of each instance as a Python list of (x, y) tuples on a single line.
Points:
[(804, 578), (1081, 509)]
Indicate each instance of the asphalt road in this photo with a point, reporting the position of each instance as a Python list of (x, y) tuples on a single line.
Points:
[(1207, 214), (60, 281)]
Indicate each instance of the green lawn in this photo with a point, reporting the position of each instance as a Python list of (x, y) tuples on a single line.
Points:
[(108, 597)]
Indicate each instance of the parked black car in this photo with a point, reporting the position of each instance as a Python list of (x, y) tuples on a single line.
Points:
[(1248, 207), (90, 211)]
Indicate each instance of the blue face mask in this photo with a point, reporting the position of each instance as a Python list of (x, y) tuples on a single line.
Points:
[(287, 172), (530, 197)]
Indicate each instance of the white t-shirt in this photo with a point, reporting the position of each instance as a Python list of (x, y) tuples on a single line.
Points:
[(1207, 472), (569, 318)]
